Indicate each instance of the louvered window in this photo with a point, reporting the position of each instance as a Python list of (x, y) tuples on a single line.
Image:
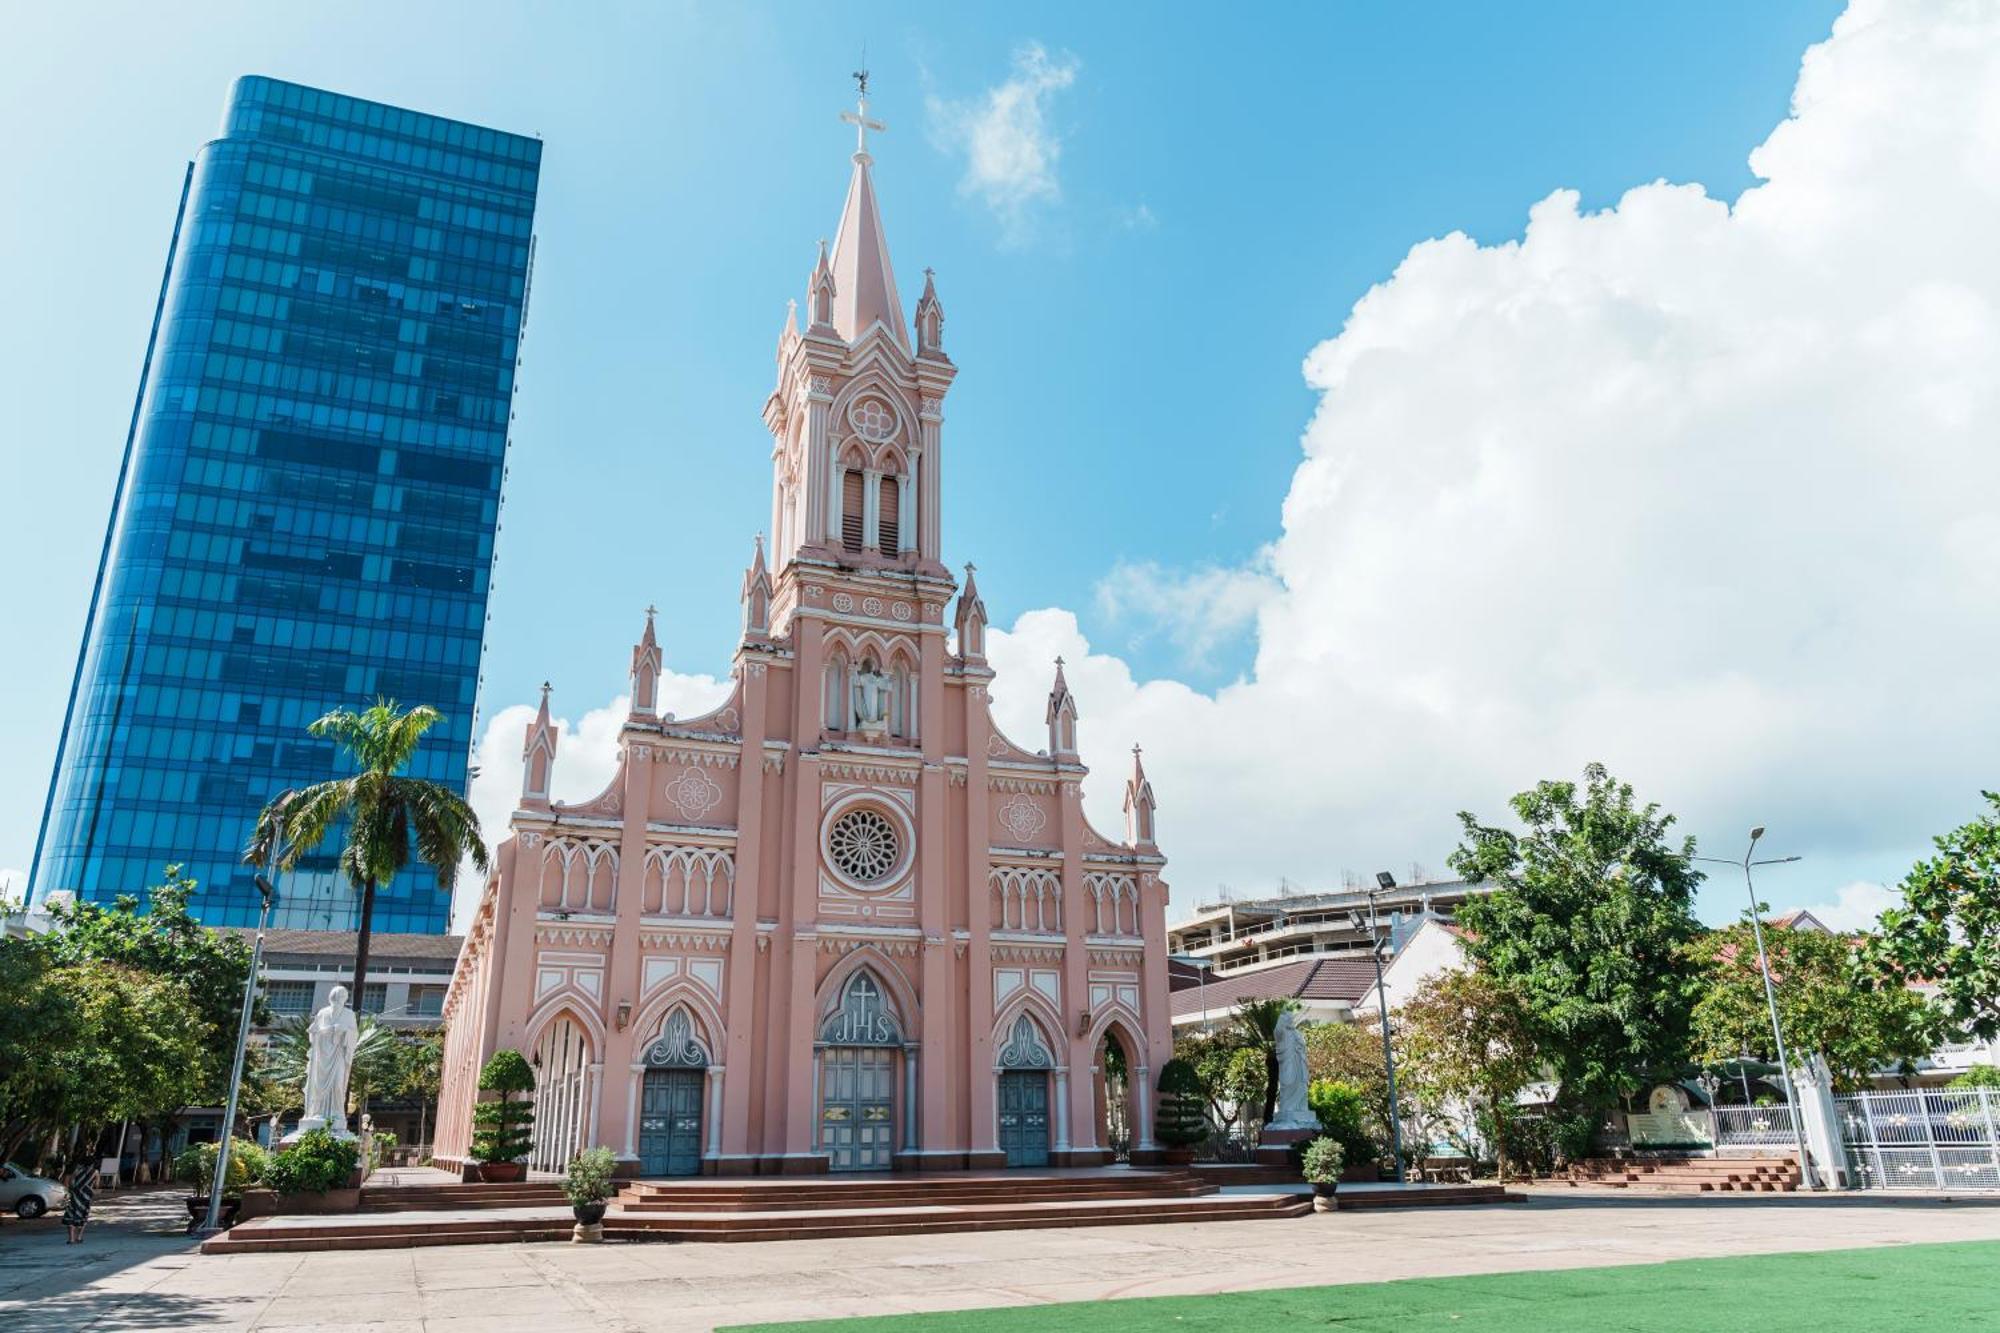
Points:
[(850, 510), (890, 522)]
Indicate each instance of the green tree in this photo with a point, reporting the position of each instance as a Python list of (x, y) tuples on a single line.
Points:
[(1232, 1075), (1975, 1078), (388, 815), (1351, 1053), (421, 1075), (138, 1048), (165, 940), (1588, 926), (1948, 928), (1182, 1121), (39, 1020), (1465, 1038), (1255, 1025), (1822, 1006)]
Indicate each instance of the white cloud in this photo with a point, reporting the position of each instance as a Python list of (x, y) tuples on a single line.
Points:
[(1198, 610), (1139, 217), (1855, 906), (1705, 493), (1010, 151)]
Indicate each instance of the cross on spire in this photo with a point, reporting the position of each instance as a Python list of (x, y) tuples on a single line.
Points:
[(858, 117)]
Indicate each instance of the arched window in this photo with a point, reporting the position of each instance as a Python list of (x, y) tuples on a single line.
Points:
[(836, 703), (889, 525), (852, 499)]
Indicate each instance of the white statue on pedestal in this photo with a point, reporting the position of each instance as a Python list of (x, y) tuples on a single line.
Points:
[(333, 1036), (1293, 1112), (871, 699)]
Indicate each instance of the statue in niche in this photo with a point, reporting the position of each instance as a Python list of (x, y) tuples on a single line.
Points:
[(332, 1039), (1292, 1111), (871, 691)]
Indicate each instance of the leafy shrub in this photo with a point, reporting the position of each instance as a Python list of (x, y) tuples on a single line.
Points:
[(1323, 1160), (1979, 1076), (1183, 1118), (318, 1162), (195, 1164), (255, 1160), (589, 1179), (1342, 1109), (502, 1130)]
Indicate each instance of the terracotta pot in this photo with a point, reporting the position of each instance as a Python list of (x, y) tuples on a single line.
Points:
[(502, 1173)]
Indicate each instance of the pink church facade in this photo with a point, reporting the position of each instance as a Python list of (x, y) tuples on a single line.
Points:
[(841, 922)]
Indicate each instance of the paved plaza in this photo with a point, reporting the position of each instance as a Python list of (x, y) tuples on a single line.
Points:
[(135, 1274)]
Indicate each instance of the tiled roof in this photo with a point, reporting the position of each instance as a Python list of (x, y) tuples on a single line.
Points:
[(1338, 978), (340, 943)]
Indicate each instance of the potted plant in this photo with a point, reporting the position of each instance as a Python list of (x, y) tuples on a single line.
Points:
[(195, 1164), (1322, 1163), (1182, 1121), (502, 1129), (316, 1174), (588, 1186)]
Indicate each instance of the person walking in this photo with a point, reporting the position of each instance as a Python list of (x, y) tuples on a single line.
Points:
[(82, 1193)]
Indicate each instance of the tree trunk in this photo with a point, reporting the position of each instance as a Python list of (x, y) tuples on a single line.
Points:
[(364, 932)]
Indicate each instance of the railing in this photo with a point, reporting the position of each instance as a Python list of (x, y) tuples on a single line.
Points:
[(1754, 1127), (1930, 1139)]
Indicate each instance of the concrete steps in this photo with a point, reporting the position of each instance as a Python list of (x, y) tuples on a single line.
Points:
[(455, 1197), (806, 1194), (1686, 1175), (1429, 1196), (827, 1223)]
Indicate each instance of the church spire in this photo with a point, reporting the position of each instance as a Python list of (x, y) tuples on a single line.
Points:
[(930, 320), (1138, 804), (1061, 718), (970, 622), (864, 284), (538, 757), (757, 595), (646, 670)]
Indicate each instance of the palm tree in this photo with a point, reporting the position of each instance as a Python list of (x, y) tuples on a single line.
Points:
[(389, 815), (1256, 1025)]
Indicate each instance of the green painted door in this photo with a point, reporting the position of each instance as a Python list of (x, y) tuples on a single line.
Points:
[(670, 1122), (1024, 1117), (857, 1121)]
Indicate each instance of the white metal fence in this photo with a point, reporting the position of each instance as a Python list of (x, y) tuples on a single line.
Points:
[(1924, 1140), (1754, 1127)]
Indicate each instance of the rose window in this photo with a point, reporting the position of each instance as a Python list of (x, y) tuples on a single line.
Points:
[(864, 846), (874, 420)]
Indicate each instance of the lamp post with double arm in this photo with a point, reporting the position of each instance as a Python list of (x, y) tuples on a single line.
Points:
[(1384, 881), (1770, 990)]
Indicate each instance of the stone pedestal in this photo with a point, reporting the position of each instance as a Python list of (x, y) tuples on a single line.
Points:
[(1274, 1148)]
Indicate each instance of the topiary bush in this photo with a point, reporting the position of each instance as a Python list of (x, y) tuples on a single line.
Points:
[(318, 1162), (502, 1130), (1182, 1121)]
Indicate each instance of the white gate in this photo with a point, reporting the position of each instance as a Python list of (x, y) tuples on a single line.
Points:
[(1929, 1139)]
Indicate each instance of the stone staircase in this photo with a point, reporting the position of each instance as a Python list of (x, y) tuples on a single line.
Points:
[(768, 1208), (523, 1194), (1686, 1175)]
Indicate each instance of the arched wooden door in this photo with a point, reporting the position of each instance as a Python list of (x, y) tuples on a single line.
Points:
[(670, 1100)]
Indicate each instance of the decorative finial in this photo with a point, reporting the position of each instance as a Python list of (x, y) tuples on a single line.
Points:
[(858, 118), (971, 568), (1059, 660), (546, 687), (651, 611)]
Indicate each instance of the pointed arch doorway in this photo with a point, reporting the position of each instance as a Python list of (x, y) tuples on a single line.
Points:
[(1024, 1065), (860, 1046), (670, 1100)]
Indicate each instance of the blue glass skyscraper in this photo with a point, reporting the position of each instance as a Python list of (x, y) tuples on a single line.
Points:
[(306, 510)]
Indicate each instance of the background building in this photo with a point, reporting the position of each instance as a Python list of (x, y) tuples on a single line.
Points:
[(306, 509)]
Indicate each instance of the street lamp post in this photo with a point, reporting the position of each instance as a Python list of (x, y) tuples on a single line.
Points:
[(267, 892), (1771, 992), (1384, 881)]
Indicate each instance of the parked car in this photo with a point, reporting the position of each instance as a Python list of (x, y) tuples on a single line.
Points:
[(29, 1195)]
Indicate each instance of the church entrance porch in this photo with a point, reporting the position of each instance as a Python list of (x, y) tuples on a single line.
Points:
[(1024, 1117), (857, 1121), (670, 1122)]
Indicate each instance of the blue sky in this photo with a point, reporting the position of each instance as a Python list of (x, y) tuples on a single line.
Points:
[(1219, 193)]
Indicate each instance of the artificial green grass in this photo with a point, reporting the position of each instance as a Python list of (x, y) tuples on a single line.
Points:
[(1946, 1286)]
